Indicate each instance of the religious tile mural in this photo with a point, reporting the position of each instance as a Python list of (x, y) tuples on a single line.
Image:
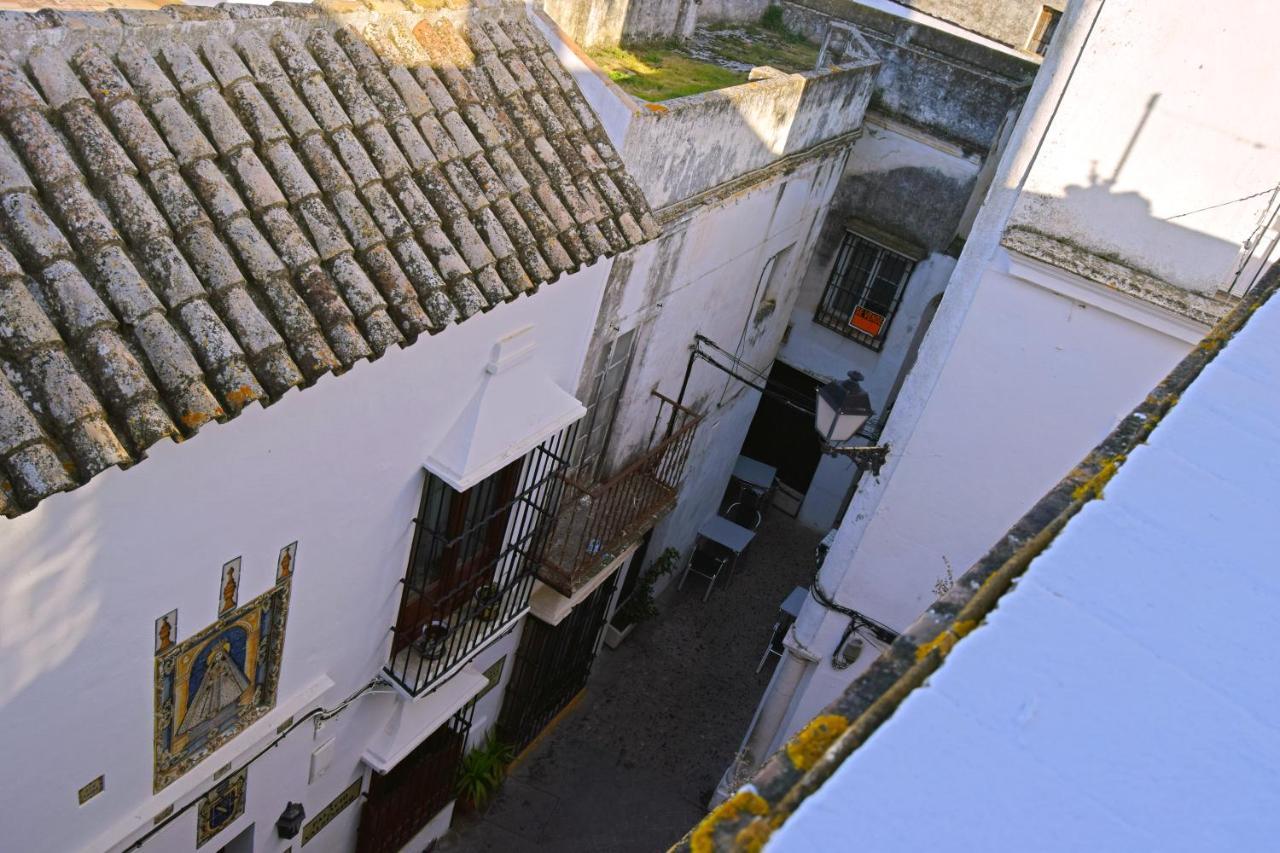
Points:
[(221, 806), (211, 686)]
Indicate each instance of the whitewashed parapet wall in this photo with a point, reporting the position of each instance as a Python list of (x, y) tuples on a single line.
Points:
[(604, 23), (687, 146)]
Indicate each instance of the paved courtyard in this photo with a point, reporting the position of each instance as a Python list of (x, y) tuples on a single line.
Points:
[(631, 768)]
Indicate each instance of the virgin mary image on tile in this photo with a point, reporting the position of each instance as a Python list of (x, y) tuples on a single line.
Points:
[(211, 687)]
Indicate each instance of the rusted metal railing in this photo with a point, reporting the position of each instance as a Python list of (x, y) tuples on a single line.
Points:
[(594, 525)]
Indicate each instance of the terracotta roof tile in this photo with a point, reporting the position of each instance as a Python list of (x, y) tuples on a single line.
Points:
[(204, 207)]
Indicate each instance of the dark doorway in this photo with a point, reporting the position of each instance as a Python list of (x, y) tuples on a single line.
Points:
[(635, 568), (783, 436), (551, 667)]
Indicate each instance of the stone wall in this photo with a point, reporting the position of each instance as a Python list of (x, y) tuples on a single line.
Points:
[(1009, 22), (954, 88), (687, 146), (600, 23)]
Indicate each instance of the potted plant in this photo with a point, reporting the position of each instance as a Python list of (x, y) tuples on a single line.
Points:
[(487, 597), (481, 773), (640, 605), (431, 644)]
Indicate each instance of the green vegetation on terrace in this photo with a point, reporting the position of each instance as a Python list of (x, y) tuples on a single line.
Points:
[(659, 71), (714, 58)]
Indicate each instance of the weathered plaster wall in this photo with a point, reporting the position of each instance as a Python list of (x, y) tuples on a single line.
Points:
[(1130, 156), (594, 23), (1009, 22), (85, 574), (1027, 365), (703, 277), (1032, 382), (731, 11), (686, 146), (916, 190), (947, 84)]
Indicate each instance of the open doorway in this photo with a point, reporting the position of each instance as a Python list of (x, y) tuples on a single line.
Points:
[(784, 437)]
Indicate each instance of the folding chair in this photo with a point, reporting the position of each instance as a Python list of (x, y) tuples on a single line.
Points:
[(704, 563)]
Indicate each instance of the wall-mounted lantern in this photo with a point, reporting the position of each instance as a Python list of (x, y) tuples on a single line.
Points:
[(289, 824), (843, 407)]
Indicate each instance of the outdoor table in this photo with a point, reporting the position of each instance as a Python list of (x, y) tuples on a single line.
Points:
[(794, 601), (725, 533), (755, 473)]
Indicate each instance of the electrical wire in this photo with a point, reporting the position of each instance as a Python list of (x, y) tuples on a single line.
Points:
[(320, 714), (1224, 203)]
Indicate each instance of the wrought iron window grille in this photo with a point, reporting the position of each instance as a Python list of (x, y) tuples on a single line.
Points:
[(471, 564), (863, 291)]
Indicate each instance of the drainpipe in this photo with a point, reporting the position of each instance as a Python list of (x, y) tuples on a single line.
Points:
[(794, 664)]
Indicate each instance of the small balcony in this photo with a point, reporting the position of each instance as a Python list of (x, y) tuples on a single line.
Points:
[(471, 565), (596, 524)]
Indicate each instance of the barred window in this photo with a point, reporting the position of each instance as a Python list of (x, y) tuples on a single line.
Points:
[(864, 290)]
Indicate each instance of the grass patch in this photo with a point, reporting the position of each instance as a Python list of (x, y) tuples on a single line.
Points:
[(758, 45), (659, 72)]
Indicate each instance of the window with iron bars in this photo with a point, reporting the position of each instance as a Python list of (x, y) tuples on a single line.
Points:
[(471, 564), (402, 801), (864, 290)]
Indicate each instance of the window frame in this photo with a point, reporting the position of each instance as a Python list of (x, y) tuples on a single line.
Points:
[(841, 297), (468, 549)]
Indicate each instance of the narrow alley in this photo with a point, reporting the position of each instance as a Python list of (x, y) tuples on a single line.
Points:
[(632, 766)]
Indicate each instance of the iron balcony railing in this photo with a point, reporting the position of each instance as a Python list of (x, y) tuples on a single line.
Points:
[(594, 525), (462, 590)]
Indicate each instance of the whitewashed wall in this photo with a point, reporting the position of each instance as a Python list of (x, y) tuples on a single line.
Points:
[(701, 277), (336, 467), (1027, 366), (884, 154), (1169, 102)]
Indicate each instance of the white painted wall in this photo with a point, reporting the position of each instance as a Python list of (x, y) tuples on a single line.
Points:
[(826, 354), (1035, 379), (1026, 366), (1114, 188), (702, 277), (1088, 704), (336, 467)]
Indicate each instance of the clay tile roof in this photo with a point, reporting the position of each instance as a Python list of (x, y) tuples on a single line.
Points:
[(201, 208)]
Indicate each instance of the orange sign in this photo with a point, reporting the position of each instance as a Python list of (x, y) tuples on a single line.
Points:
[(867, 321)]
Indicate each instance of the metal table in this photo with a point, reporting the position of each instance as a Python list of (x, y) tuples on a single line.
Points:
[(794, 601), (755, 473), (725, 533), (722, 531), (787, 615)]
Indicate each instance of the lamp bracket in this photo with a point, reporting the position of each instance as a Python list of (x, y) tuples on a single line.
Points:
[(870, 458)]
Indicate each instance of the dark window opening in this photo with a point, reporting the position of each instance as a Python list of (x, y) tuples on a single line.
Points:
[(783, 436), (552, 665), (864, 290)]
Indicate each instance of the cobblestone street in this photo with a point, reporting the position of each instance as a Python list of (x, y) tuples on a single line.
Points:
[(632, 766)]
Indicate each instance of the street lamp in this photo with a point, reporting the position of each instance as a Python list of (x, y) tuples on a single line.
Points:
[(843, 407)]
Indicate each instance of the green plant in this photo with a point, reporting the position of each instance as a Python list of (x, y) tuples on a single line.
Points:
[(483, 770), (772, 19), (640, 605)]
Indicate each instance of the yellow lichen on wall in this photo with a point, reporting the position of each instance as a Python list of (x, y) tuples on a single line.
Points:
[(742, 804), (811, 742)]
